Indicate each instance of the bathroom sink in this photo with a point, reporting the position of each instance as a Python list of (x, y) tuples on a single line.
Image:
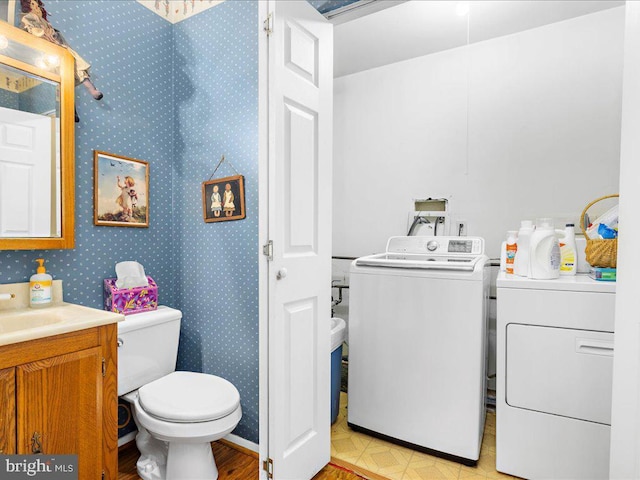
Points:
[(11, 322), (27, 323)]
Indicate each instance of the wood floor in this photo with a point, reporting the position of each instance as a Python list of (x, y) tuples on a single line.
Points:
[(232, 465)]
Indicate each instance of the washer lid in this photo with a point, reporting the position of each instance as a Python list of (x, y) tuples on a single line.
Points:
[(188, 397)]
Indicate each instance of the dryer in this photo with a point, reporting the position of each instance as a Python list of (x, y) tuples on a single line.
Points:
[(417, 344), (554, 377)]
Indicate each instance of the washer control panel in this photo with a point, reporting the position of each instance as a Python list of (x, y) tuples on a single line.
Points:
[(451, 246)]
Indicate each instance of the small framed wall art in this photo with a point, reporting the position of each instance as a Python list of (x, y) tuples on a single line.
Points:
[(223, 199), (121, 191)]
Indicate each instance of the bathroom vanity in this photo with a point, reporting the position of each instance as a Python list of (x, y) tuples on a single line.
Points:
[(58, 385)]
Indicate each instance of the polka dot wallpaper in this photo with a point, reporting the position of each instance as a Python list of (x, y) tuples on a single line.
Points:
[(216, 113), (133, 67), (178, 96), (39, 99), (9, 99)]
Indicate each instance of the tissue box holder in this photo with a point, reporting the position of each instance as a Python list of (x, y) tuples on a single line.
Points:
[(130, 300)]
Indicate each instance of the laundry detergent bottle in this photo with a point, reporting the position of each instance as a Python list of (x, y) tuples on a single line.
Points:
[(521, 264), (568, 250), (544, 252), (511, 247)]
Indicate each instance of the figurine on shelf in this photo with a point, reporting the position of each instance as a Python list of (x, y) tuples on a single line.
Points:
[(34, 20)]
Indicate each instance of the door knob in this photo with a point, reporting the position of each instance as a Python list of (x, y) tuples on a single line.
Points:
[(281, 273)]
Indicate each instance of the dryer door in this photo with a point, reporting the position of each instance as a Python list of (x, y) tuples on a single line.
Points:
[(560, 371)]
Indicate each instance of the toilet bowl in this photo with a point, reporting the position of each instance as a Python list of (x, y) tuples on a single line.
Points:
[(178, 414)]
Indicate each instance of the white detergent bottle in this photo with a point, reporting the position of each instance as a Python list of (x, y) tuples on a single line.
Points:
[(568, 250), (521, 265), (544, 252)]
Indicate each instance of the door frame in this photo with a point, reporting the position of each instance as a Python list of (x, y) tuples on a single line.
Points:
[(263, 236), (625, 411)]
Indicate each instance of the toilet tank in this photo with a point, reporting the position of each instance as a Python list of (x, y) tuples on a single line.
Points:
[(147, 347)]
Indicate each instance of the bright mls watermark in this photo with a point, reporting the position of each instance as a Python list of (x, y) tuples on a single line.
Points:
[(50, 467)]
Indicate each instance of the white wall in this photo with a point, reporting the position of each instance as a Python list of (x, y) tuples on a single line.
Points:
[(516, 127)]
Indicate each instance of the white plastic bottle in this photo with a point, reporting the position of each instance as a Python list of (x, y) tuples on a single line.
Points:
[(521, 264), (544, 253), (510, 250), (40, 287), (568, 250)]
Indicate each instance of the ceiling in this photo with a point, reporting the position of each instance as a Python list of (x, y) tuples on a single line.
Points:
[(409, 29)]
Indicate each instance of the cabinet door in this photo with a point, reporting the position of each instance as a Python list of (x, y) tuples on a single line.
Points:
[(8, 411), (59, 408)]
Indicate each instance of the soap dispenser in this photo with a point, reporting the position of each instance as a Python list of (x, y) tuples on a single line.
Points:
[(40, 287)]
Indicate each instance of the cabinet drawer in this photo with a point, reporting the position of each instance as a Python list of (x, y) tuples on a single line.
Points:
[(560, 371)]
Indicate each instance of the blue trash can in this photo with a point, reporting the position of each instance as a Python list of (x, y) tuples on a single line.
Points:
[(338, 330)]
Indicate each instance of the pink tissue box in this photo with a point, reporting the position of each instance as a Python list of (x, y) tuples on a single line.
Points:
[(130, 300)]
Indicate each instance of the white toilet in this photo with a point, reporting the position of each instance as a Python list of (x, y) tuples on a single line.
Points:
[(177, 414)]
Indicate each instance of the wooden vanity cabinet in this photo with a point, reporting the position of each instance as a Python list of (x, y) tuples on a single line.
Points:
[(8, 411), (59, 396)]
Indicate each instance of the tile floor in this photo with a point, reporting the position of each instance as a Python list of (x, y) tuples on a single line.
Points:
[(394, 462)]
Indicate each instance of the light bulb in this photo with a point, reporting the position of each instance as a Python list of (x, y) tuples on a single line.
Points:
[(52, 60)]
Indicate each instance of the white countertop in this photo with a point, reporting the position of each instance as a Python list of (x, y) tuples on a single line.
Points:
[(577, 283), (23, 324)]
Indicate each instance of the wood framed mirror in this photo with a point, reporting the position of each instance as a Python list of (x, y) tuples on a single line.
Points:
[(37, 157)]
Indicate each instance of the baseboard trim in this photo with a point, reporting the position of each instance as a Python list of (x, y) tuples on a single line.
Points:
[(129, 437), (232, 441), (241, 444)]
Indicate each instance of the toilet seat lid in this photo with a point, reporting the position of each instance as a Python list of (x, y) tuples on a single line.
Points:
[(187, 397)]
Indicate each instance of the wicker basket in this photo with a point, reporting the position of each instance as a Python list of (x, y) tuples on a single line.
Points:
[(600, 253)]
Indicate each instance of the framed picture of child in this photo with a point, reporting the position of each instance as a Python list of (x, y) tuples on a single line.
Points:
[(121, 191), (223, 199)]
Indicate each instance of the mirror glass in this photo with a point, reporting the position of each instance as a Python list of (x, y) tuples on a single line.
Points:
[(30, 154), (36, 142)]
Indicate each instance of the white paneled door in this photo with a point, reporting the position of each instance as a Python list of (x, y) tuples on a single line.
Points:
[(300, 147), (25, 174)]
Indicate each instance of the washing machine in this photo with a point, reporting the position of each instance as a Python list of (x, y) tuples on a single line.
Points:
[(554, 377), (418, 344)]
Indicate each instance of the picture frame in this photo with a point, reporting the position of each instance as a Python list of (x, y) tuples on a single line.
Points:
[(215, 208), (121, 191)]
